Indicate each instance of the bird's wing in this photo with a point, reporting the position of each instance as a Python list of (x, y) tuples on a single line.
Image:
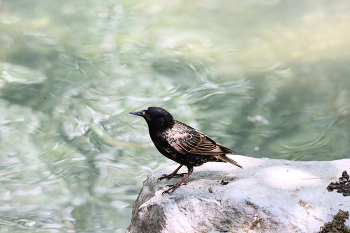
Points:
[(209, 147), (185, 139)]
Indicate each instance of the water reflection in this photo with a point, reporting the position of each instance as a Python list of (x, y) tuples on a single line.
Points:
[(266, 78)]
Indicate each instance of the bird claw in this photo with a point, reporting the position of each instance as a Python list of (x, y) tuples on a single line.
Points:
[(172, 175), (173, 187), (166, 191)]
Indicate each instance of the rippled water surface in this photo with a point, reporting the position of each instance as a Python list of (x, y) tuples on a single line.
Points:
[(266, 78)]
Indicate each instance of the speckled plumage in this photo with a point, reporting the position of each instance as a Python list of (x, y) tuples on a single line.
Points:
[(182, 143)]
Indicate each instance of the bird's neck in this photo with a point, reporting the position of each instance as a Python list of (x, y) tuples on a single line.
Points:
[(161, 125)]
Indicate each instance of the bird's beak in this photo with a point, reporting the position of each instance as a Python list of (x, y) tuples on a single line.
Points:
[(138, 113)]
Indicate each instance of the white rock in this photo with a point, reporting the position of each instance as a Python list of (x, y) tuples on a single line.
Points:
[(267, 195)]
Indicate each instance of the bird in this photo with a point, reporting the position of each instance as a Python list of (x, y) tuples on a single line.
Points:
[(182, 144)]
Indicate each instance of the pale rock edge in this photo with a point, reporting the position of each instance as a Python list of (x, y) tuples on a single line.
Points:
[(267, 195)]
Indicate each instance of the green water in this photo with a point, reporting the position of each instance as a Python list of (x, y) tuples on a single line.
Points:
[(265, 78)]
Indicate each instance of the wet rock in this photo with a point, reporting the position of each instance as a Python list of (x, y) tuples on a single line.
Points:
[(268, 195)]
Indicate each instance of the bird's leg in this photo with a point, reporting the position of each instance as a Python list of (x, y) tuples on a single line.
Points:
[(178, 184), (172, 175)]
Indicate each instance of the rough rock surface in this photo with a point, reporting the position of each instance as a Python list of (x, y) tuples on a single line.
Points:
[(268, 195)]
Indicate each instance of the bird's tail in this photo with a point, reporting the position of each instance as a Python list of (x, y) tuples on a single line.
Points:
[(224, 158)]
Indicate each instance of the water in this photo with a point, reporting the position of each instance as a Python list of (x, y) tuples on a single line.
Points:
[(265, 78)]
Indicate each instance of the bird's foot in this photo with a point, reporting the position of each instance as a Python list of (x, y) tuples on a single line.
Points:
[(173, 187), (172, 175)]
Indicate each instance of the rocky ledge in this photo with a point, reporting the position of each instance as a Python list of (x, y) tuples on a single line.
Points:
[(267, 195)]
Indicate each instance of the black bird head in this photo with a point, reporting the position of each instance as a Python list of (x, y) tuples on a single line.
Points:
[(156, 117)]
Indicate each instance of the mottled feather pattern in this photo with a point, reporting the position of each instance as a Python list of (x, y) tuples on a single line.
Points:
[(186, 139), (183, 139), (182, 143)]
